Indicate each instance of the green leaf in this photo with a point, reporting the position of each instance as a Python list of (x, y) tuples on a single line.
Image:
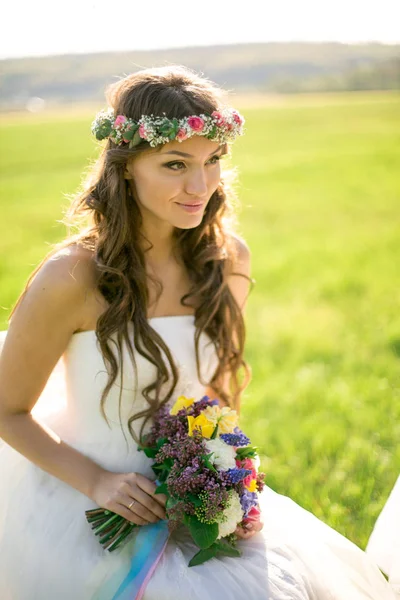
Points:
[(161, 442), (194, 499), (214, 433), (162, 489), (247, 452), (225, 548), (202, 556), (212, 132), (186, 519), (171, 502), (208, 463), (128, 134), (150, 452), (136, 140), (203, 534)]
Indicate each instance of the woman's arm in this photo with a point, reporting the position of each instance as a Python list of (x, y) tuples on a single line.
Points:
[(40, 329), (239, 287)]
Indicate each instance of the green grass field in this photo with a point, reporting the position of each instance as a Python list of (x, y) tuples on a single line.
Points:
[(320, 196)]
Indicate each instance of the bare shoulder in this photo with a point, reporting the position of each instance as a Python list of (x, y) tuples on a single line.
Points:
[(242, 259), (58, 295), (238, 279), (67, 278), (50, 311)]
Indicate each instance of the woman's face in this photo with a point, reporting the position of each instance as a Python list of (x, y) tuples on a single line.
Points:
[(178, 173)]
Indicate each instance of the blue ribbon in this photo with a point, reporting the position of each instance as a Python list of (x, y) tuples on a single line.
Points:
[(148, 546)]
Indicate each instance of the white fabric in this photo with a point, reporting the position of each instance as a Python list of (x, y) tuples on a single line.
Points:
[(384, 543), (48, 551)]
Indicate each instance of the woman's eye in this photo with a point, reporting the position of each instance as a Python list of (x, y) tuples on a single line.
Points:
[(179, 162)]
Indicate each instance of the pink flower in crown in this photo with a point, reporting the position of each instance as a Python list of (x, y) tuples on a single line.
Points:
[(142, 131), (119, 120), (196, 123), (220, 120), (181, 135), (237, 118)]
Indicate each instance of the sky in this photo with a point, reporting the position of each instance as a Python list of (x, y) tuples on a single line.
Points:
[(43, 27)]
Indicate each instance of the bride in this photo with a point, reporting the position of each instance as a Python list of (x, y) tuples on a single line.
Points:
[(143, 304)]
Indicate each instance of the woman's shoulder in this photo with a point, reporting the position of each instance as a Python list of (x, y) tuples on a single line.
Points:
[(74, 264), (241, 255), (70, 276)]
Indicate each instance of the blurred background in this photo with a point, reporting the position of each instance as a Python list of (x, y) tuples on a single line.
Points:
[(319, 87)]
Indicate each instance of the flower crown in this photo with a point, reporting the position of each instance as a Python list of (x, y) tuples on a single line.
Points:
[(220, 126)]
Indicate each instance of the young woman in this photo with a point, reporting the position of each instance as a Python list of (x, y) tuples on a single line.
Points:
[(143, 304)]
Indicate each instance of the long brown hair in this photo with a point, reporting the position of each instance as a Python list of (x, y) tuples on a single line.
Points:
[(112, 231)]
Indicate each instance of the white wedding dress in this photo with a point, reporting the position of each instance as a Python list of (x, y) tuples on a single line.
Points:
[(49, 552)]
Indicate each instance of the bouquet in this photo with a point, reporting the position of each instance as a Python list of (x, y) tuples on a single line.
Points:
[(207, 468)]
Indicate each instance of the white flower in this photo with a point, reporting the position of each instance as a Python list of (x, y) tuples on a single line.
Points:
[(233, 513), (224, 455)]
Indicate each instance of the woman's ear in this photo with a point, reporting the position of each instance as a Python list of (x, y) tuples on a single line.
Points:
[(127, 175)]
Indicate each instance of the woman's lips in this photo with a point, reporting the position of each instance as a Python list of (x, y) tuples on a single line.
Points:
[(190, 207)]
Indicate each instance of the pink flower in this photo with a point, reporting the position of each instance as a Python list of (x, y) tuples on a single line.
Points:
[(196, 123), (253, 516), (142, 131), (237, 118), (219, 118), (181, 135), (247, 463), (119, 120)]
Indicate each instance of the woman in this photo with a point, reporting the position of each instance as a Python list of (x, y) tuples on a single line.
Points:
[(159, 265)]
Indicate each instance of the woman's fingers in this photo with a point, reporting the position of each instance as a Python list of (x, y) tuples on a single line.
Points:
[(144, 505), (245, 533), (149, 487)]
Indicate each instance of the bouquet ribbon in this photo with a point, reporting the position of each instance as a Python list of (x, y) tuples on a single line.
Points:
[(149, 545)]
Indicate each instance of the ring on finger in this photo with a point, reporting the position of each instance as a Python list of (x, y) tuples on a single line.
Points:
[(131, 504)]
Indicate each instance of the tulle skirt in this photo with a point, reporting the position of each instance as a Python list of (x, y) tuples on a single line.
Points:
[(384, 542), (49, 551)]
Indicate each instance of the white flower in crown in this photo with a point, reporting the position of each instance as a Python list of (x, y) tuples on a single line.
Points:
[(221, 126)]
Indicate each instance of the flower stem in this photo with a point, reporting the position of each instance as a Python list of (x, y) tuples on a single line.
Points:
[(121, 535), (114, 518)]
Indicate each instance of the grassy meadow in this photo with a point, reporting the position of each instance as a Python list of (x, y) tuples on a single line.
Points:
[(319, 186)]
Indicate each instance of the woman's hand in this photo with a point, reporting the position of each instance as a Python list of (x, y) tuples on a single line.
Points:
[(116, 491), (248, 533)]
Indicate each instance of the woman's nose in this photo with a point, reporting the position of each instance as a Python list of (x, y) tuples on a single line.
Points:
[(197, 183)]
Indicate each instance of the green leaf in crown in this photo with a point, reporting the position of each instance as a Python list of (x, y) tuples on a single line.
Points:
[(169, 128), (129, 133), (103, 129), (136, 140), (213, 132)]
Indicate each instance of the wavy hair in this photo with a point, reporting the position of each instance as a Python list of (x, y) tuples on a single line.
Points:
[(109, 221)]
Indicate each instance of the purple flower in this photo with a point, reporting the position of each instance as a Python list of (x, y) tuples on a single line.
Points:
[(247, 500), (235, 439), (236, 475)]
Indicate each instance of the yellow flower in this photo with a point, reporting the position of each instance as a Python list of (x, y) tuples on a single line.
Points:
[(226, 418), (253, 485), (212, 413), (182, 402), (202, 424)]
